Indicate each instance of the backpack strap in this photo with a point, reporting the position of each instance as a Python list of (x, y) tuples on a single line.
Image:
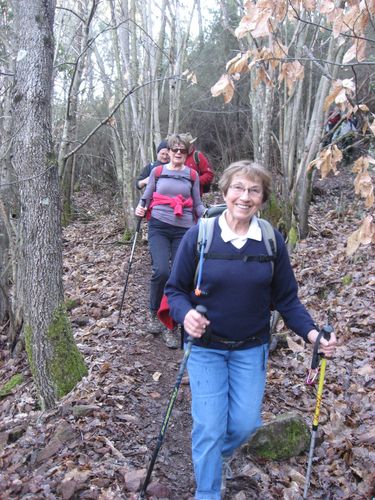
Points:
[(158, 171), (159, 174), (196, 157), (193, 175), (204, 240), (268, 234)]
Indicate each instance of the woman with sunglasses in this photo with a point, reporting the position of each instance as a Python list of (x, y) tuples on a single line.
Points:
[(173, 204)]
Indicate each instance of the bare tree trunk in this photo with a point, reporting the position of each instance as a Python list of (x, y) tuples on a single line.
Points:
[(302, 183), (55, 362), (69, 136), (156, 60), (179, 41), (200, 25), (9, 201)]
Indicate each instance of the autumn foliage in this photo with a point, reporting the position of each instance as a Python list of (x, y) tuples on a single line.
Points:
[(275, 63)]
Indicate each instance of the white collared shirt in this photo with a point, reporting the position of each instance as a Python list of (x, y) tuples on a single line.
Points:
[(254, 232)]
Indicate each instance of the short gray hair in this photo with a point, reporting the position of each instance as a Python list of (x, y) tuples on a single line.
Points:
[(178, 139), (250, 169)]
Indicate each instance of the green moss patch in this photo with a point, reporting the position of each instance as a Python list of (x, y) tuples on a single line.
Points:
[(66, 366), (286, 436), (7, 388)]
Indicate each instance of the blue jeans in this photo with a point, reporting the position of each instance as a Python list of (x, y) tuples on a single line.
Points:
[(163, 240), (227, 391)]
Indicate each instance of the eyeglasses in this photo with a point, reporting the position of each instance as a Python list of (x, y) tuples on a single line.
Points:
[(239, 190), (181, 150)]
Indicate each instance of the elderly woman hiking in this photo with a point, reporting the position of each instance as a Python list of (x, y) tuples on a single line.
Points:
[(173, 202), (239, 283)]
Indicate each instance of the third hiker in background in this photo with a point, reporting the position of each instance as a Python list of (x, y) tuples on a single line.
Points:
[(162, 158), (199, 162)]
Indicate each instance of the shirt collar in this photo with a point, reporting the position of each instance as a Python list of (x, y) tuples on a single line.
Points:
[(254, 232)]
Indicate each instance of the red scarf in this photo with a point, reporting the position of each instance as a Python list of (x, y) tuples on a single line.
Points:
[(178, 203)]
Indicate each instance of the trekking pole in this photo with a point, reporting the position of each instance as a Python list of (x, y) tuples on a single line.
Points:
[(326, 333), (138, 228), (190, 340)]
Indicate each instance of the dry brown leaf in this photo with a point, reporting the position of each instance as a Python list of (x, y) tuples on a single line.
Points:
[(106, 366), (367, 437), (296, 476), (279, 50), (327, 161), (361, 165), (363, 108), (292, 492), (309, 5), (356, 51), (291, 72), (350, 54), (364, 188), (238, 64), (262, 76), (338, 23), (246, 24), (262, 26), (156, 376), (363, 236), (225, 87), (356, 19), (232, 61), (339, 93), (326, 7), (366, 369), (294, 346), (192, 77)]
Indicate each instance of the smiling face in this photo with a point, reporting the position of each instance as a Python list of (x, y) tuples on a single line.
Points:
[(163, 155), (244, 198), (178, 154)]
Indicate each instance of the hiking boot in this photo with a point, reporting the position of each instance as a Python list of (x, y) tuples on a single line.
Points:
[(170, 338), (226, 473), (153, 324)]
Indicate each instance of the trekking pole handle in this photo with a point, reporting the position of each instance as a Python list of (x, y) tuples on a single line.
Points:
[(327, 330), (202, 310), (206, 337), (143, 204)]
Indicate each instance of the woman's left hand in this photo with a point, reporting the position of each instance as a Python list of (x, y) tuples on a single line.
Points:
[(327, 347)]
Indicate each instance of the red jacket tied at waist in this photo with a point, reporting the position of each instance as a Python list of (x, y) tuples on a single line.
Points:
[(178, 203)]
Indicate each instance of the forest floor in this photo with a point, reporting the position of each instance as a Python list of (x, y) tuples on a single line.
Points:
[(97, 442)]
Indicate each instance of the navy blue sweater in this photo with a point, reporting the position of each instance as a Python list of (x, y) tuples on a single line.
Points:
[(238, 295)]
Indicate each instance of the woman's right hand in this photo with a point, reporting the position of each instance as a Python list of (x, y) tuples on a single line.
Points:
[(140, 211), (195, 323)]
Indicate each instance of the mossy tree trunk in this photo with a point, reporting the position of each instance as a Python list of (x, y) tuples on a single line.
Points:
[(51, 349)]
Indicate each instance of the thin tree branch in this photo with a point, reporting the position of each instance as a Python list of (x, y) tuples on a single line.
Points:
[(107, 118)]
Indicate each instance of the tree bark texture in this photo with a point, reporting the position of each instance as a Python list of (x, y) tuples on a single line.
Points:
[(47, 330), (9, 203)]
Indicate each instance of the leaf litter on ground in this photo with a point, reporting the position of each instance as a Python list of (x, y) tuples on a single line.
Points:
[(97, 442)]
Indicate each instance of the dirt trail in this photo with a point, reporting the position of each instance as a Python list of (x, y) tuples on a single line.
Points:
[(99, 436)]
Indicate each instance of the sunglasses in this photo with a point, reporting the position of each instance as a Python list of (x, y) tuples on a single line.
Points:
[(181, 150)]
